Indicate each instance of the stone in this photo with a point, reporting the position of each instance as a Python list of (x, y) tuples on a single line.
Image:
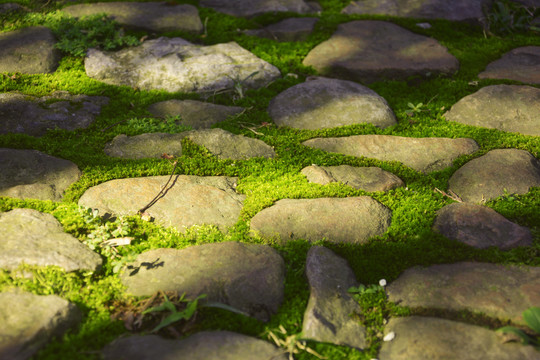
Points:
[(499, 172), (9, 7), (291, 29), (30, 115), (422, 154), (511, 108), (480, 226), (31, 174), (521, 64), (35, 238), (30, 51), (30, 321), (205, 345), (339, 220), (329, 316), (248, 277), (366, 178), (197, 114), (151, 145), (326, 103), (367, 51), (151, 16), (175, 65), (457, 10), (499, 291), (249, 8), (428, 338), (187, 201)]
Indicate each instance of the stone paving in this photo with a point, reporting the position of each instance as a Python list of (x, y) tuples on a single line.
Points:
[(249, 277)]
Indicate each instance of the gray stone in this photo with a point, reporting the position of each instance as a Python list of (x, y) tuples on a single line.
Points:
[(152, 16), (500, 291), (143, 146), (338, 220), (9, 7), (176, 65), (29, 50), (427, 338), (197, 114), (422, 154), (429, 9), (368, 51), (292, 29), (329, 316), (499, 172), (365, 178), (512, 108), (188, 200), (521, 64), (206, 345), (248, 277), (31, 174), (30, 321), (258, 7), (327, 103), (34, 116), (480, 226), (35, 238)]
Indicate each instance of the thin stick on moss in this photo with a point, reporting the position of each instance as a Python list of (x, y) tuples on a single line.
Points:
[(161, 192)]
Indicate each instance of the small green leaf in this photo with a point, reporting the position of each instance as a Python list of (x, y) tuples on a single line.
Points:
[(525, 339), (532, 317)]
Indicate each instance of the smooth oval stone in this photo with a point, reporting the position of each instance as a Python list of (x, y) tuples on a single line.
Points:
[(257, 7), (521, 64)]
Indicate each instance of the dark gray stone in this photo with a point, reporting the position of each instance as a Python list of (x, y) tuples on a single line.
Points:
[(292, 29), (259, 7), (521, 64), (9, 7)]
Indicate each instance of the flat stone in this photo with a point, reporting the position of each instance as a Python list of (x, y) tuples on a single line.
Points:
[(456, 10), (329, 313), (521, 64), (31, 174), (152, 16), (30, 51), (247, 277), (30, 321), (176, 65), (512, 108), (338, 220), (151, 145), (365, 178), (250, 8), (368, 51), (500, 291), (197, 114), (9, 7), (35, 238), (480, 226), (189, 200), (206, 345), (326, 103), (499, 172), (291, 29), (422, 154), (30, 115), (427, 338)]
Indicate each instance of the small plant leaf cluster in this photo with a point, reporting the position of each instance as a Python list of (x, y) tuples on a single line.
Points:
[(532, 318), (508, 17)]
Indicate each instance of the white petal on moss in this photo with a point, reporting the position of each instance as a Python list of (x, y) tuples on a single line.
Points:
[(390, 336)]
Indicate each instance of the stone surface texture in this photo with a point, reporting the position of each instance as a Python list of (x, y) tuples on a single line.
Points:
[(338, 220), (247, 277), (188, 200), (31, 174), (24, 332), (327, 103), (422, 154), (258, 7), (175, 65), (512, 108), (499, 172), (151, 145), (500, 291), (367, 51), (8, 7), (329, 313), (291, 29), (521, 64)]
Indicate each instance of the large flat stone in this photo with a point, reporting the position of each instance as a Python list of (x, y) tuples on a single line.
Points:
[(291, 29), (326, 103), (248, 277), (189, 200), (339, 220), (174, 64), (510, 108), (151, 145), (258, 7), (422, 154), (500, 291), (368, 51), (521, 64), (31, 174)]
